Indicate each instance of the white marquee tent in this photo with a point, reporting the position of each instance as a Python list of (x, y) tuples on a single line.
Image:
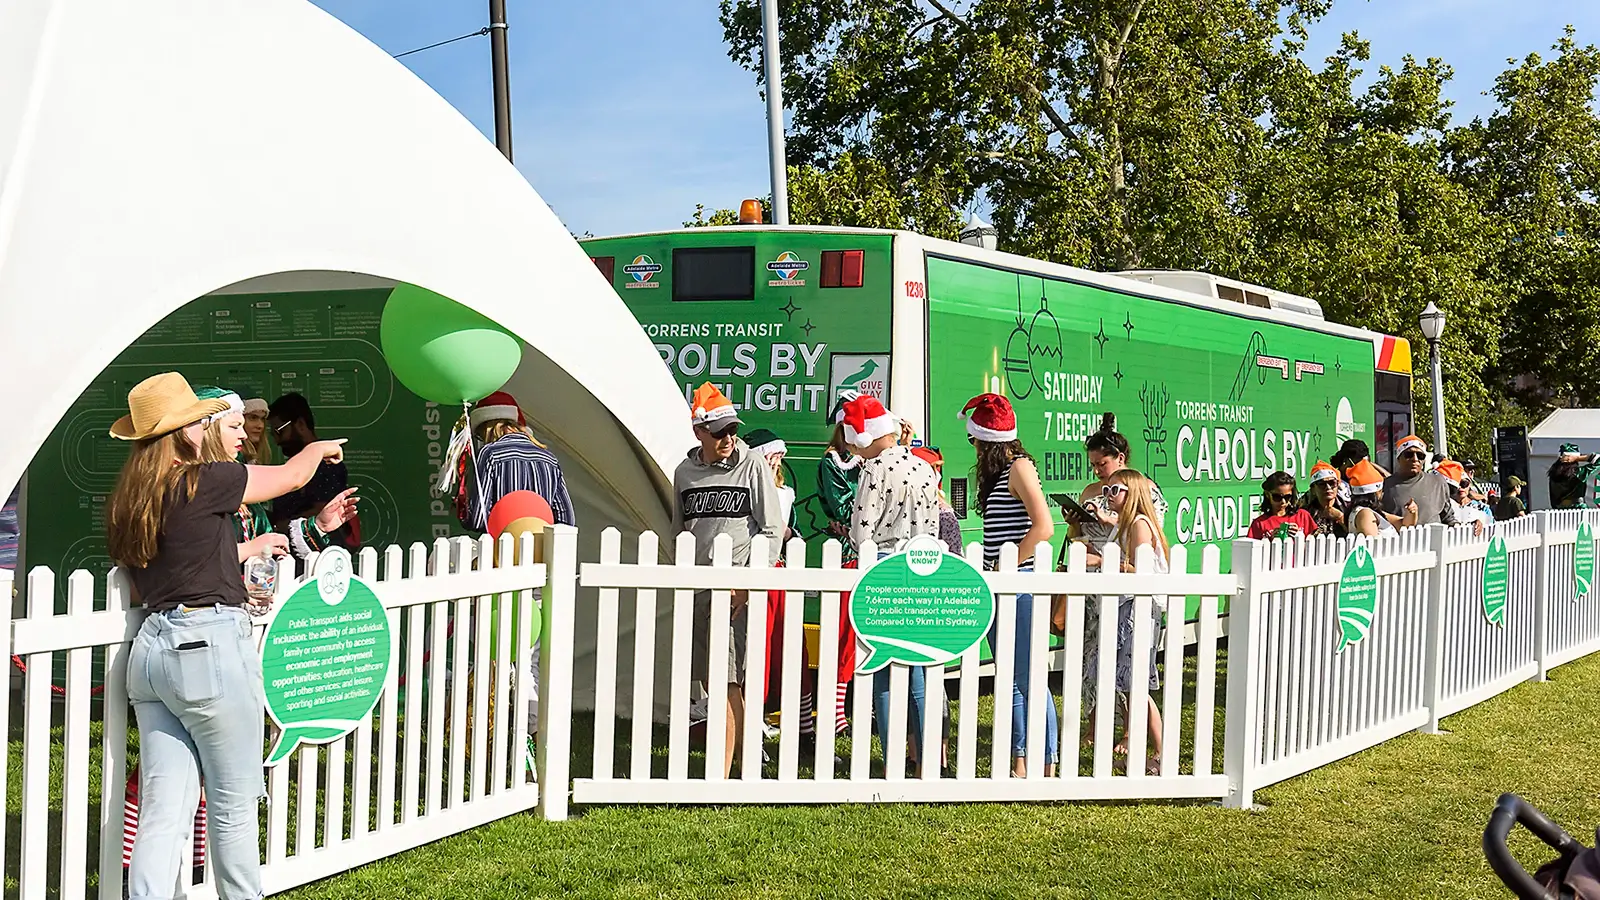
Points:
[(155, 152)]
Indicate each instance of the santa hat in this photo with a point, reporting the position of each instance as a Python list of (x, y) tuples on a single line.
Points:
[(929, 455), (1323, 472), (865, 420), (993, 420), (495, 407), (255, 406), (1410, 442), (1364, 478), (710, 406), (1451, 470)]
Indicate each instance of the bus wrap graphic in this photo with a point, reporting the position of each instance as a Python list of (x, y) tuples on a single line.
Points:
[(1211, 402)]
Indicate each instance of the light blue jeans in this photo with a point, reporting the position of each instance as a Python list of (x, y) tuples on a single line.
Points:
[(1021, 683), (194, 680)]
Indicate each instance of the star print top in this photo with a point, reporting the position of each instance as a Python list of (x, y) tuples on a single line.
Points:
[(896, 500)]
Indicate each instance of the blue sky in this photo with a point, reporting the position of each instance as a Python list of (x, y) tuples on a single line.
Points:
[(624, 121)]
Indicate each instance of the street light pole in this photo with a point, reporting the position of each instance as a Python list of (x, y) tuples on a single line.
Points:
[(502, 76), (774, 75), (1432, 324)]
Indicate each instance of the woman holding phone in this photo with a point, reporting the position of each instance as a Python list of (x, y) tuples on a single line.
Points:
[(1109, 454), (194, 678)]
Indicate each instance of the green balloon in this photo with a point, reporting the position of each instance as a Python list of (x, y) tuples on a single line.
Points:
[(443, 351)]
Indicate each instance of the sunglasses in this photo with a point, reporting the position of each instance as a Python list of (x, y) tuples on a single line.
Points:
[(1413, 454), (1113, 490), (281, 427), (1283, 498), (725, 431)]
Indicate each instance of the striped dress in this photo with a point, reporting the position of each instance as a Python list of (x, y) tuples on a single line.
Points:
[(516, 463), (1005, 519), (130, 823)]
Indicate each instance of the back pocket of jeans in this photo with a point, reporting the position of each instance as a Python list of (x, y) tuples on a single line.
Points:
[(192, 672)]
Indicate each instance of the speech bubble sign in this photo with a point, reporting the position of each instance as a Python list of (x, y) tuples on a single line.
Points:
[(325, 657), (1583, 561), (919, 607), (1358, 597), (1496, 581)]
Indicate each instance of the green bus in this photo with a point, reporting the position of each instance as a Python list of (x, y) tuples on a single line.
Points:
[(1215, 383)]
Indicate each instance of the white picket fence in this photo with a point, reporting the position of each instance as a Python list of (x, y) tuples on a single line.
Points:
[(645, 777), (414, 772), (428, 763), (1294, 702)]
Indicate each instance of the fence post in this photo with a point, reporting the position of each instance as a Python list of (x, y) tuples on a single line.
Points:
[(554, 757), (5, 700), (1541, 605), (1241, 740), (1433, 633)]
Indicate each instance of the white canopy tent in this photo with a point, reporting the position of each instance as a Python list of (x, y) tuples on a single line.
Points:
[(154, 152), (1564, 426)]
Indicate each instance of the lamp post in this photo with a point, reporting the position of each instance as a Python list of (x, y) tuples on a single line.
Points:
[(502, 76), (772, 66), (1432, 324)]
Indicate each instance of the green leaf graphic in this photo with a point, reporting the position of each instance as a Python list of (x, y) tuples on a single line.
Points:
[(1358, 597), (1496, 569)]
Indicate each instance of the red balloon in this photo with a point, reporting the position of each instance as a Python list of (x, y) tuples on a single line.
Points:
[(518, 505)]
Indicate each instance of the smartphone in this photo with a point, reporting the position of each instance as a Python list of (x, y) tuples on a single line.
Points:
[(1075, 510)]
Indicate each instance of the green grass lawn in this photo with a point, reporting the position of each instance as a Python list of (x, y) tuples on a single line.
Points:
[(1400, 820)]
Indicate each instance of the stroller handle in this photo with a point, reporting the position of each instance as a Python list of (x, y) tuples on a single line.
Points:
[(1510, 810)]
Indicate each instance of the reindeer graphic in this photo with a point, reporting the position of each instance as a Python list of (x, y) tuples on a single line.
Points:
[(1155, 400)]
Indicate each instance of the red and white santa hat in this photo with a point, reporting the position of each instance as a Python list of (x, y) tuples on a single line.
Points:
[(865, 420), (498, 405), (993, 420)]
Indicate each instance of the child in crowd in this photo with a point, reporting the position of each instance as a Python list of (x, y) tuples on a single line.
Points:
[(1131, 496), (897, 499), (1281, 515), (770, 447), (949, 525)]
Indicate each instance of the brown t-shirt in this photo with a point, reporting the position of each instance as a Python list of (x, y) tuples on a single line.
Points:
[(197, 554)]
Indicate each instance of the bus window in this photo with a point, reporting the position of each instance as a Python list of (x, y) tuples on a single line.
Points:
[(714, 273)]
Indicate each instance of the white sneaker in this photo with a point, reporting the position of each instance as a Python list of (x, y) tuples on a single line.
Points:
[(769, 730), (699, 711)]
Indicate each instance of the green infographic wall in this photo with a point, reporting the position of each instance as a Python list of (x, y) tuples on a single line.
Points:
[(1211, 402), (321, 344)]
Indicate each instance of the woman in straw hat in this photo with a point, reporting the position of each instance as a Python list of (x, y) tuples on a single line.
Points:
[(227, 439), (169, 523)]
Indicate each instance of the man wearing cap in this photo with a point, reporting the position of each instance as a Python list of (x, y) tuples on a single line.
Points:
[(1569, 477), (1476, 491), (1413, 482), (724, 488), (1511, 505)]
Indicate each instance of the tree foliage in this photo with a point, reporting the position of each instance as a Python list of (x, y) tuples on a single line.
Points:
[(1116, 134)]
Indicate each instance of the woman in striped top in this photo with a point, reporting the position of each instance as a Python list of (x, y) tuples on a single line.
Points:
[(1014, 511), (511, 460)]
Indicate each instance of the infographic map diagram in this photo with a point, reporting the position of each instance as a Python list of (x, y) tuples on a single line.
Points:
[(323, 345)]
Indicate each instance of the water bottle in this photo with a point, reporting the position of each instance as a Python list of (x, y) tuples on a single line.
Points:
[(260, 578)]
